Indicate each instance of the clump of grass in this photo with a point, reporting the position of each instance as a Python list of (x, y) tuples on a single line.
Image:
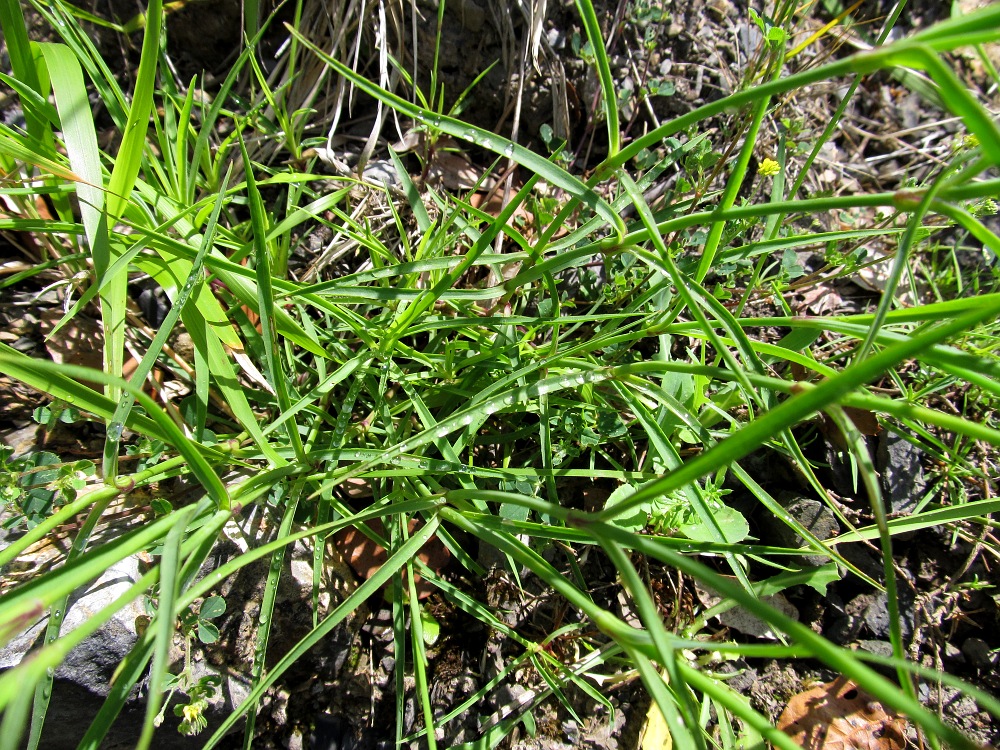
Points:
[(464, 385)]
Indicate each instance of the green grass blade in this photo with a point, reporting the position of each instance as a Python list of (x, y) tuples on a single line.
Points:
[(275, 368), (27, 603), (53, 378), (22, 61), (163, 625), (123, 176), (609, 94), (837, 658), (43, 690), (138, 378), (805, 403), (265, 619)]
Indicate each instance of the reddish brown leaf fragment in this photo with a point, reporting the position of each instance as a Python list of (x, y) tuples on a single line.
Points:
[(365, 556), (841, 716)]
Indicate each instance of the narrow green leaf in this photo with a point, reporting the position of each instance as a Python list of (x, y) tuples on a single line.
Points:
[(609, 90)]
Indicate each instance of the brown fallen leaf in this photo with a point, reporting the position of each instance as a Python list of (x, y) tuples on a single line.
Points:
[(492, 203), (454, 171), (841, 716), (819, 299), (365, 556), (80, 341)]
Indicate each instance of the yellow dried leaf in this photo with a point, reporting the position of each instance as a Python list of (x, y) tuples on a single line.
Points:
[(655, 735)]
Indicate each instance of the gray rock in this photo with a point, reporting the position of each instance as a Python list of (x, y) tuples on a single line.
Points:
[(813, 515), (872, 612), (82, 681), (899, 464), (879, 648), (108, 646), (978, 652), (744, 621)]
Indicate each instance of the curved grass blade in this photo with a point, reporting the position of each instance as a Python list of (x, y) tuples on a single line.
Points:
[(22, 62), (869, 476), (609, 94), (836, 658), (79, 135), (14, 681), (133, 667), (45, 375), (166, 327)]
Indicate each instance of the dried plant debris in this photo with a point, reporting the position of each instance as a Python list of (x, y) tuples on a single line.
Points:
[(841, 716)]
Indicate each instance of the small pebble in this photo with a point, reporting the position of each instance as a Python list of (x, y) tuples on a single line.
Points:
[(978, 652)]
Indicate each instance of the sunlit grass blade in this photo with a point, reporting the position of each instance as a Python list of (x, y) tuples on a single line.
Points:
[(144, 367), (982, 26), (806, 403), (609, 96), (837, 658), (163, 626), (123, 175), (48, 376), (23, 149), (14, 681), (265, 304), (57, 614), (27, 603), (22, 61)]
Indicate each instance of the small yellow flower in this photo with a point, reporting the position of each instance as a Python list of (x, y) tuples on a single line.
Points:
[(769, 168), (191, 712), (970, 141)]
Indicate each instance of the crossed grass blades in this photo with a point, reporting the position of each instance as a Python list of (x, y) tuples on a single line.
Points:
[(459, 402)]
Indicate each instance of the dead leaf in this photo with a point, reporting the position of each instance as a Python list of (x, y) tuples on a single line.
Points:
[(841, 716), (492, 204), (655, 734), (454, 171), (80, 341), (818, 299), (365, 556), (875, 276)]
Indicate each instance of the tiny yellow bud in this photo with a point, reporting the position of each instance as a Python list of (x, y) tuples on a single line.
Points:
[(769, 168)]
